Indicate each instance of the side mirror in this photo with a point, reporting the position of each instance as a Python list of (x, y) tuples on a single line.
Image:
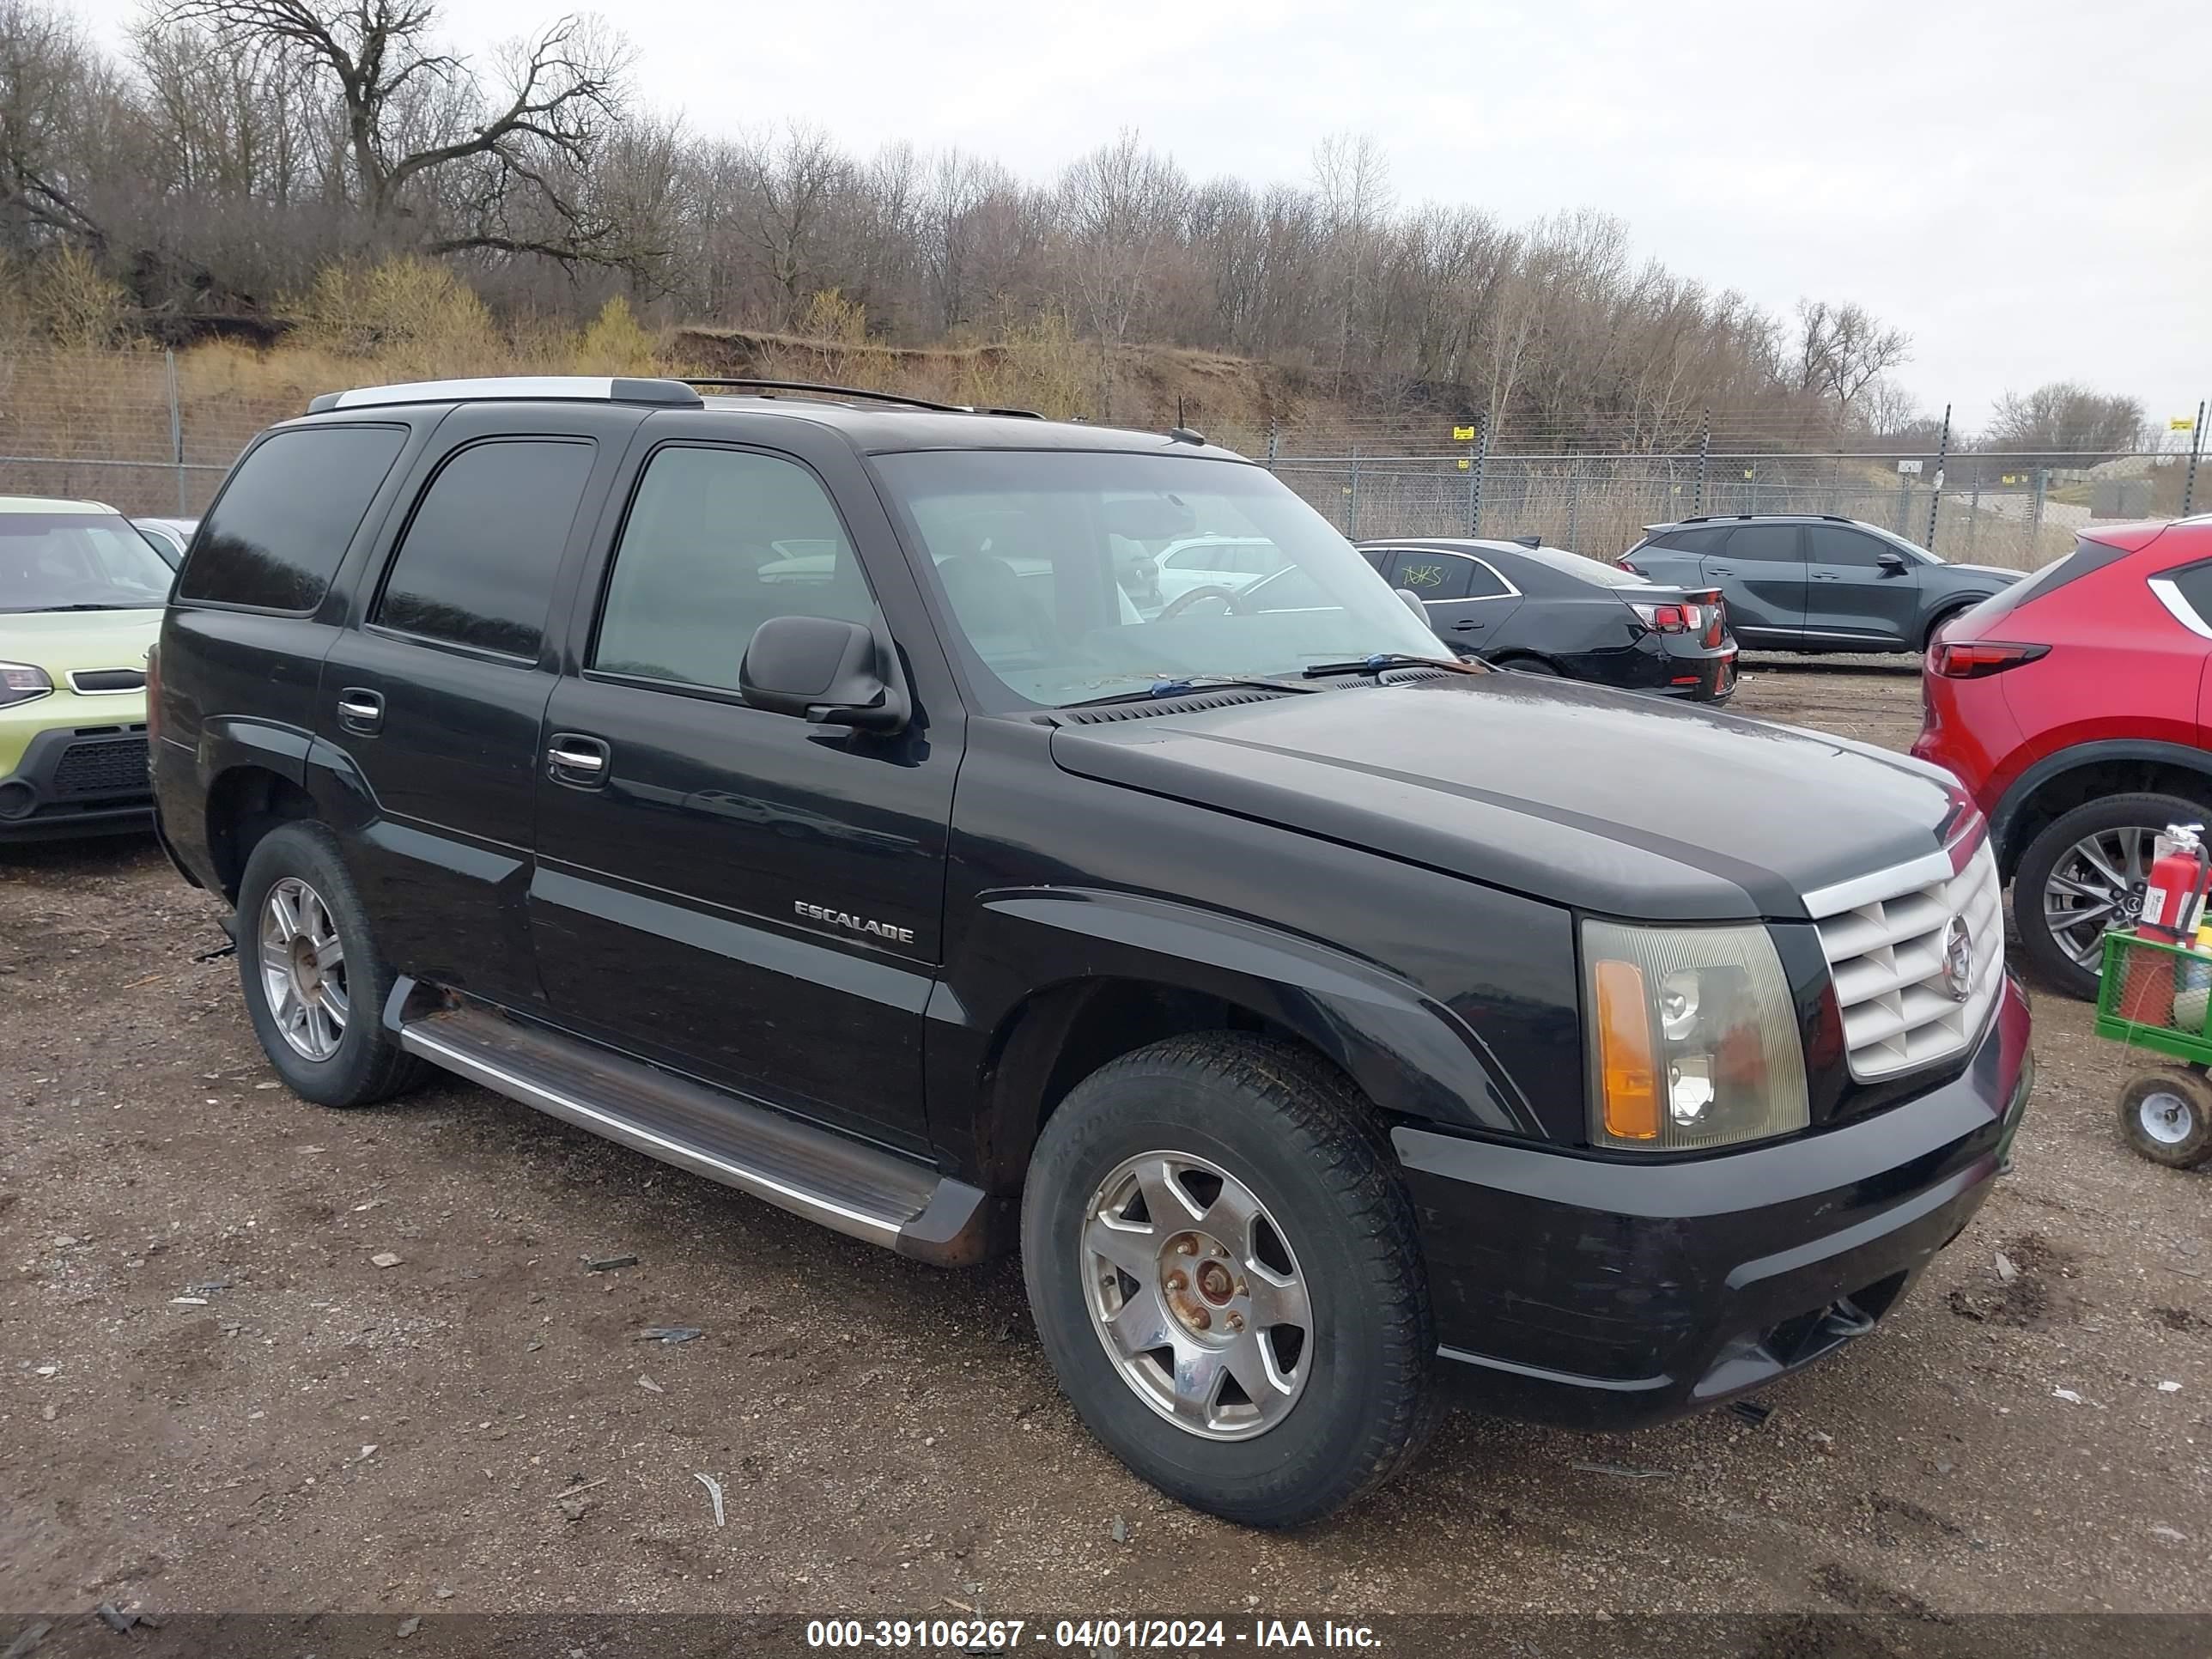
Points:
[(831, 673), (1893, 562), (1412, 601)]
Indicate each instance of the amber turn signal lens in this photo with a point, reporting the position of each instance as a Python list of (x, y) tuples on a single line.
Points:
[(1627, 1069)]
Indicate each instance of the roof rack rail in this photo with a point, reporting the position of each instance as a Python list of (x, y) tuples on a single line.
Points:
[(578, 388), (822, 389)]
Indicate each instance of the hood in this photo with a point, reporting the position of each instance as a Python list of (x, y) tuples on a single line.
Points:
[(2000, 572), (1625, 805), (64, 641)]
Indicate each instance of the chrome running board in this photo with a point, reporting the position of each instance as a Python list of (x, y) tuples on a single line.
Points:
[(857, 1189)]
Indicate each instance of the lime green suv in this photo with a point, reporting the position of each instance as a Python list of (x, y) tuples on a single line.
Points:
[(80, 596)]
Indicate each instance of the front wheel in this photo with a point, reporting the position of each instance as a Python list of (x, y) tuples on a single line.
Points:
[(1222, 1264), (2166, 1116)]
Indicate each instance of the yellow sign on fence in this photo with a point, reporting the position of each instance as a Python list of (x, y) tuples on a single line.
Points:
[(1463, 434), (2182, 423), (1465, 464)]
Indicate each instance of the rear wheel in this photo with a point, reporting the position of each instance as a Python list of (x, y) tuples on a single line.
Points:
[(1943, 619), (2166, 1116), (1528, 665), (313, 982), (1223, 1268), (2083, 874)]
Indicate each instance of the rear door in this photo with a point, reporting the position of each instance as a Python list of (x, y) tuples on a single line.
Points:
[(742, 896), (432, 698), (1760, 571), (1466, 597), (1851, 596)]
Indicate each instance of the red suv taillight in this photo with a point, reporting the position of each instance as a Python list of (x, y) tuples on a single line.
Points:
[(1980, 659)]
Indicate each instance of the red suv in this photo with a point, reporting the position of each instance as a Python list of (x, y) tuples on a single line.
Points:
[(2076, 708)]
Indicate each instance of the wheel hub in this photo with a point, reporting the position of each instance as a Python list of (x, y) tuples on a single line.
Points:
[(1200, 1286)]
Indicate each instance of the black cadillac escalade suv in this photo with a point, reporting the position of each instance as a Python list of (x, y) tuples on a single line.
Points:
[(790, 788)]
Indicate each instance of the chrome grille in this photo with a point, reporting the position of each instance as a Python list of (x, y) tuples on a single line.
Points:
[(1886, 936)]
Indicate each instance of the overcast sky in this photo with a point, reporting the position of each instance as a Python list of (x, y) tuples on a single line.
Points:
[(2025, 187)]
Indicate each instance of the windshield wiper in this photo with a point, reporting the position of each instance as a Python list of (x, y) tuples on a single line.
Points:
[(1187, 683), (1389, 659)]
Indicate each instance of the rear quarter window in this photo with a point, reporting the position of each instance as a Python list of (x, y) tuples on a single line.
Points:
[(284, 519), (1706, 540)]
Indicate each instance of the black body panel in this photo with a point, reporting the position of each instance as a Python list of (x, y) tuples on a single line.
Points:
[(1521, 608)]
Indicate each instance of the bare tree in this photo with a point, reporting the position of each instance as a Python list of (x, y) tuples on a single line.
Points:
[(2065, 420), (435, 157), (50, 81), (1842, 349)]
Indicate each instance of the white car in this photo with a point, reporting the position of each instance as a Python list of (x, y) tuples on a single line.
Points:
[(1229, 561)]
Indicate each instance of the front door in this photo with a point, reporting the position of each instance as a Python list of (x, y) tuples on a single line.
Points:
[(1760, 569), (1851, 595), (434, 698), (740, 895), (1466, 599)]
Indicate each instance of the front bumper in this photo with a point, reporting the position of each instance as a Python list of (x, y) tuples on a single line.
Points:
[(79, 781), (1602, 1293)]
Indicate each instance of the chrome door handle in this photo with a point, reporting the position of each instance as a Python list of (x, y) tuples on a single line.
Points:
[(577, 760), (359, 710)]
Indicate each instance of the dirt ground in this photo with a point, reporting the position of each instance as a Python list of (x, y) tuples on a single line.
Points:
[(211, 1397)]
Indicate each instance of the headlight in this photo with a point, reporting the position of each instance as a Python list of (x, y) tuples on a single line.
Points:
[(1692, 1039), (20, 682)]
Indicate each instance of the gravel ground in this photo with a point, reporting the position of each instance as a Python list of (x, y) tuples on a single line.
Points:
[(212, 1396)]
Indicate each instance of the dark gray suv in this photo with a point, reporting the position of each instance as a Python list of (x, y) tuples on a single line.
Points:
[(1812, 582)]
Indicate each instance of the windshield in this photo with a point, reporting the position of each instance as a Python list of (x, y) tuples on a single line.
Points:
[(78, 561), (1070, 576)]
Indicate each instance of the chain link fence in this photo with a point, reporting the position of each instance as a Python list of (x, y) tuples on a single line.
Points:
[(153, 433)]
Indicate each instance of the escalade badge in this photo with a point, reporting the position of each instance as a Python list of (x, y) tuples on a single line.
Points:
[(846, 918), (1959, 959)]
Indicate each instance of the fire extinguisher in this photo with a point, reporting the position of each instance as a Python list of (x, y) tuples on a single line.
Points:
[(2173, 908)]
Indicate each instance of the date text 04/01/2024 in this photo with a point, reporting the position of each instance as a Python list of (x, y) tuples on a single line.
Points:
[(985, 1636)]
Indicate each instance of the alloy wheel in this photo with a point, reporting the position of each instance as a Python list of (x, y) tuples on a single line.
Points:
[(303, 974), (1197, 1296), (2097, 885)]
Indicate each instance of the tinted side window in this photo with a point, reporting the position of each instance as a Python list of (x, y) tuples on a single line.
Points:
[(1434, 575), (1706, 540), (285, 518), (478, 564), (1831, 544), (1768, 543), (719, 541), (1484, 583)]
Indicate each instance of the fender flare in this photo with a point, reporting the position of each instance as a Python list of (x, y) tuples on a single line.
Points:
[(2023, 788), (1411, 1054)]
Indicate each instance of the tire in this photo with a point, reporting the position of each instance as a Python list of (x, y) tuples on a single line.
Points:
[(301, 863), (1950, 613), (1529, 665), (2116, 820), (1280, 1128), (2166, 1117)]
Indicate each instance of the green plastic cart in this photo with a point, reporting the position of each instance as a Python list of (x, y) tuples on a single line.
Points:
[(2158, 998)]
